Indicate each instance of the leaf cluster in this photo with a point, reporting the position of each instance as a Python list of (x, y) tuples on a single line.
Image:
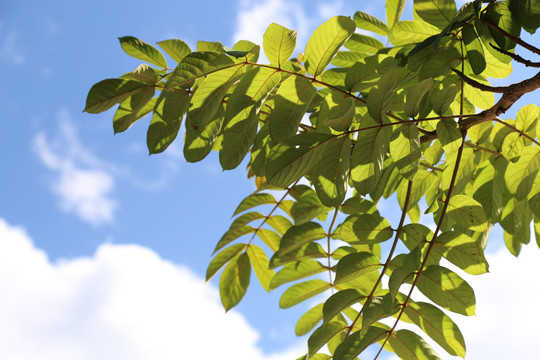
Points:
[(328, 134)]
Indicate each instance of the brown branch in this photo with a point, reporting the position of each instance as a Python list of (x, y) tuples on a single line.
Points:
[(517, 130), (509, 97), (515, 39), (517, 58), (431, 243), (388, 259), (478, 85)]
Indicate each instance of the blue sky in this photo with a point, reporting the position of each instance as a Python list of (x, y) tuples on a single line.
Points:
[(103, 249)]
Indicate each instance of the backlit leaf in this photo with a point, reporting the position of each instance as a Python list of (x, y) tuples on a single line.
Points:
[(297, 271), (358, 342), (175, 48), (222, 258), (447, 289), (325, 42), (234, 281), (142, 51), (259, 262), (302, 291), (106, 93), (355, 265), (168, 113), (368, 22), (405, 149), (467, 212), (409, 346), (364, 229), (279, 43)]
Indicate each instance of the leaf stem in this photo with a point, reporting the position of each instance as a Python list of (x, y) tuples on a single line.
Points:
[(389, 257)]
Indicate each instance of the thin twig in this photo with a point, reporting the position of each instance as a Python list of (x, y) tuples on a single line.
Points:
[(515, 39), (517, 58), (478, 85)]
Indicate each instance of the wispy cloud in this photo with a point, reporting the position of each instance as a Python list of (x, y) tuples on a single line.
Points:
[(124, 302), (10, 48), (82, 182)]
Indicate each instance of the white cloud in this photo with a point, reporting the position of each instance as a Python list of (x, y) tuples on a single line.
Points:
[(83, 183), (9, 48), (124, 302), (255, 16), (506, 322)]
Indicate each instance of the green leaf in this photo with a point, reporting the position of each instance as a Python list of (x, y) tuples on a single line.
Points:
[(278, 43), (520, 175), (197, 65), (364, 229), (299, 235), (143, 73), (290, 104), (437, 325), (322, 336), (331, 174), (364, 44), (499, 14), (241, 117), (246, 218), (358, 342), (200, 140), (354, 265), (436, 12), (475, 50), (479, 98), (405, 149), (449, 135), (368, 155), (410, 346), (339, 302), (166, 120), (447, 289), (527, 120), (222, 258), (415, 95), (325, 42), (106, 93), (293, 157), (442, 99), (142, 51), (302, 291), (234, 281), (307, 208), (280, 223), (260, 263), (489, 187), (467, 212), (407, 32), (371, 23), (380, 98), (309, 320), (210, 93), (394, 9), (463, 251), (527, 12), (296, 271), (133, 108), (175, 48), (254, 200), (233, 234)]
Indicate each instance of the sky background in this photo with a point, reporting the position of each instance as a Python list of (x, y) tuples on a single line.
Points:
[(103, 249)]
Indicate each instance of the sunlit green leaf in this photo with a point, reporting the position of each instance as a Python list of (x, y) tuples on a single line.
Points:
[(380, 98), (259, 262), (364, 229), (368, 22), (234, 281), (133, 108), (520, 175), (358, 342), (394, 9), (175, 48), (309, 320), (293, 157), (279, 43), (322, 335), (170, 108), (142, 51), (437, 325), (300, 235), (467, 212), (106, 93), (355, 265), (222, 258), (302, 291), (436, 12), (447, 289), (340, 301), (405, 149), (325, 42), (409, 346), (297, 271), (290, 104)]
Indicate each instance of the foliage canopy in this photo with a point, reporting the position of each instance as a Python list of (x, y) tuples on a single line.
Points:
[(329, 133)]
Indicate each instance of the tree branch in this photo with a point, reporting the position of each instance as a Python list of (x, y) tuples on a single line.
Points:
[(517, 58), (515, 39), (477, 85)]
